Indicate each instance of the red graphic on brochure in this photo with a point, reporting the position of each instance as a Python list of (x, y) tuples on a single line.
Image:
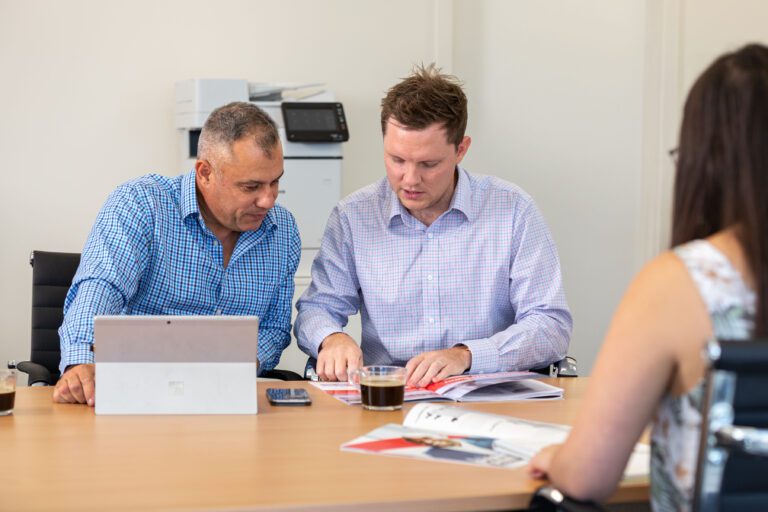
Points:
[(486, 387)]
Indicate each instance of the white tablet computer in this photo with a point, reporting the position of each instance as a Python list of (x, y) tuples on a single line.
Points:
[(176, 364)]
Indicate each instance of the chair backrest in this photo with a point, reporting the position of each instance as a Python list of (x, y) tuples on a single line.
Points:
[(52, 274), (732, 471)]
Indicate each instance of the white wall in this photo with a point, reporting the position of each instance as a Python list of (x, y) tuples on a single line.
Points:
[(712, 27), (579, 103), (568, 99), (86, 99), (556, 94)]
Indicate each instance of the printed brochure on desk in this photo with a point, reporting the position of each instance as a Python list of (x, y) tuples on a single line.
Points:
[(446, 433), (393, 439), (487, 387)]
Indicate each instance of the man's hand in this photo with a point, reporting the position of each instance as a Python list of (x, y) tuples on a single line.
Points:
[(338, 355), (541, 462), (437, 365), (76, 386)]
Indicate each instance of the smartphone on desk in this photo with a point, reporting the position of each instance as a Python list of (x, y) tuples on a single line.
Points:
[(288, 396)]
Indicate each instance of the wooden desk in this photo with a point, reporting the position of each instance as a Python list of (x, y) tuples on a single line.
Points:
[(64, 457)]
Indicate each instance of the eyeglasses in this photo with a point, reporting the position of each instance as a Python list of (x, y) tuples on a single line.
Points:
[(674, 154)]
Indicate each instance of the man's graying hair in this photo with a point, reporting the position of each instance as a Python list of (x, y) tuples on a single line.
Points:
[(231, 123)]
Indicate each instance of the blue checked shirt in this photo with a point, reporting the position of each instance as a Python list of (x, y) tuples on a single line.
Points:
[(150, 253), (485, 274)]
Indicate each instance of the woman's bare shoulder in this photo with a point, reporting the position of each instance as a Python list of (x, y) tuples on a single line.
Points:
[(663, 306)]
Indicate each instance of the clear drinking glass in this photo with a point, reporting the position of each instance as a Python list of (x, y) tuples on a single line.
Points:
[(7, 391), (382, 388)]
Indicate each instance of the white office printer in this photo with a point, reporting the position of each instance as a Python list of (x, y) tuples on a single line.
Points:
[(312, 127)]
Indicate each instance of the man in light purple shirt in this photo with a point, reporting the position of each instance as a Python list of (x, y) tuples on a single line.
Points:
[(451, 272)]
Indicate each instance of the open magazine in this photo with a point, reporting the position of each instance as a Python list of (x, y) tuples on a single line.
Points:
[(453, 434), (487, 387)]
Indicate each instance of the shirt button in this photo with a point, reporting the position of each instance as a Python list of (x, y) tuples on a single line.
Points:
[(218, 311), (429, 277), (430, 236), (431, 320)]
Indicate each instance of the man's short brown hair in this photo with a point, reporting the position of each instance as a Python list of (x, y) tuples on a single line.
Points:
[(424, 98)]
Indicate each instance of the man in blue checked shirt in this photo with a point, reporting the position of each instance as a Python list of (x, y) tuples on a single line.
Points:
[(451, 272), (209, 242)]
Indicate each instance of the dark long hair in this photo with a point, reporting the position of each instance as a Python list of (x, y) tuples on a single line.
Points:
[(722, 171)]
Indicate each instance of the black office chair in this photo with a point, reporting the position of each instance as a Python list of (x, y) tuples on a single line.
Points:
[(732, 472), (279, 374), (733, 448), (52, 274)]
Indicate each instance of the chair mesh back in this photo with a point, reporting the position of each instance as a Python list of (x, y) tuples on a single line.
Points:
[(749, 361), (52, 274), (744, 484)]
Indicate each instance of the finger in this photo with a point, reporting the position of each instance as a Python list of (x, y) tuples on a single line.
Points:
[(432, 370), (76, 388), (535, 472), (61, 393), (418, 373), (89, 390), (443, 374), (340, 369), (411, 365), (71, 398), (319, 366), (57, 396), (354, 363), (537, 466), (324, 363)]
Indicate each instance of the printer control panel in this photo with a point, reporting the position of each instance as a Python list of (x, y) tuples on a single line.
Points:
[(314, 122)]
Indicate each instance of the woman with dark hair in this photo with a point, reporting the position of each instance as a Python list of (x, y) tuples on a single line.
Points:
[(712, 284)]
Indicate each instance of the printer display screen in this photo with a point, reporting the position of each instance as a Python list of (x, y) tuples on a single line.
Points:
[(314, 119)]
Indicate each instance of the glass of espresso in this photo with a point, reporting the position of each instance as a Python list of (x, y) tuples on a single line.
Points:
[(7, 391), (381, 387)]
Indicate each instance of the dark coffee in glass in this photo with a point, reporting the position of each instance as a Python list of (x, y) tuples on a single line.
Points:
[(382, 388), (7, 390), (382, 394), (6, 402)]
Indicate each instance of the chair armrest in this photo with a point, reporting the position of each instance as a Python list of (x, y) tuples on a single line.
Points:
[(38, 374), (281, 375), (549, 499), (753, 441), (563, 368)]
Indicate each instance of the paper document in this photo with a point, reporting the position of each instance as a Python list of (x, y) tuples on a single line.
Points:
[(487, 387), (453, 434)]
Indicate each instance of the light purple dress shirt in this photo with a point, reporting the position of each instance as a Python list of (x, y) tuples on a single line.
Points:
[(485, 274)]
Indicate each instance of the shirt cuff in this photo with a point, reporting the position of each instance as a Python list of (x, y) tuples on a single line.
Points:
[(485, 356), (79, 353), (319, 336)]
